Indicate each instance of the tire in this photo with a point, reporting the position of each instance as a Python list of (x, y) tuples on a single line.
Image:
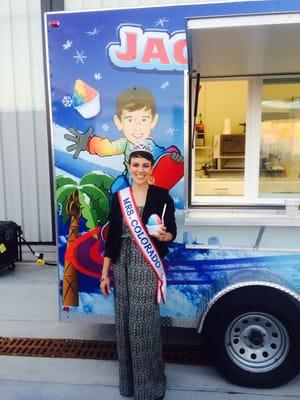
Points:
[(253, 337)]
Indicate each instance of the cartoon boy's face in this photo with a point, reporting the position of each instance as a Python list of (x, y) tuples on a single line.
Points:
[(136, 125)]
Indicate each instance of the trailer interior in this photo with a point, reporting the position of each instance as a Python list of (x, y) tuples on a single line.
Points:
[(244, 85)]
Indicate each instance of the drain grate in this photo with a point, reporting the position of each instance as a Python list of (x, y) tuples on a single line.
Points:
[(185, 354), (92, 349)]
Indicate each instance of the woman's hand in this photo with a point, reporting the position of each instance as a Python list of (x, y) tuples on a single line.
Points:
[(162, 235), (105, 286)]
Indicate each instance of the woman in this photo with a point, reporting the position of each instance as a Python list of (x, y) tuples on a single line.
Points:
[(138, 286)]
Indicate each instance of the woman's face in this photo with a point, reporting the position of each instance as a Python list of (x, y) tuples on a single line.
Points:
[(140, 170)]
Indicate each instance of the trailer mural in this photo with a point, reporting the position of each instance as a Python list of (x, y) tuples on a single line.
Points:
[(95, 59)]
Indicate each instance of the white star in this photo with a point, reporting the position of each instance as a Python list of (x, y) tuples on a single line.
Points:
[(161, 22), (97, 76), (164, 85), (171, 131), (105, 127), (79, 57), (67, 45), (176, 200), (94, 32)]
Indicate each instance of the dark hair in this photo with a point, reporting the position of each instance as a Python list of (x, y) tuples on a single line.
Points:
[(134, 99), (141, 154)]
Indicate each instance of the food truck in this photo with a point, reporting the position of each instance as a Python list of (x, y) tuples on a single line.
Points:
[(224, 79)]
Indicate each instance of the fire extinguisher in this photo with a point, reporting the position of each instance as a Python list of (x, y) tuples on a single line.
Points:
[(200, 125)]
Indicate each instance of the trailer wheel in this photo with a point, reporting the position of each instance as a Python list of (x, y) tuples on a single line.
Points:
[(253, 337)]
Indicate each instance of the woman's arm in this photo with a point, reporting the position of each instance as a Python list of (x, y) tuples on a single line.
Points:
[(113, 237), (105, 281), (169, 220)]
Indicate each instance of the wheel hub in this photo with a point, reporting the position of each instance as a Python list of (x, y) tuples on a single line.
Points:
[(255, 336), (256, 342)]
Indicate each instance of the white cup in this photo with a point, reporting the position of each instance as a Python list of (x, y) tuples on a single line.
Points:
[(153, 229)]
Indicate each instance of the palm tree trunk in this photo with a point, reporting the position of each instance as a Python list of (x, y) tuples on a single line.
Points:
[(70, 279)]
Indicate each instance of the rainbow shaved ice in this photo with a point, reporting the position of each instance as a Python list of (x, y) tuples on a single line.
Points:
[(154, 219), (154, 224), (86, 100)]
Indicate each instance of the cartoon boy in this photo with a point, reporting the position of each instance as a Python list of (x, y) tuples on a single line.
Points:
[(136, 117)]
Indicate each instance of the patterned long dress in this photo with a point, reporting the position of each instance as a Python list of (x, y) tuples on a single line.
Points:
[(141, 367)]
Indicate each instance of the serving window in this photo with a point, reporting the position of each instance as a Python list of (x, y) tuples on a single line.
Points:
[(246, 141), (220, 139), (279, 174)]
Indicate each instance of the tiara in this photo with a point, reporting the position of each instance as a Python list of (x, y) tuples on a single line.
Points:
[(142, 147)]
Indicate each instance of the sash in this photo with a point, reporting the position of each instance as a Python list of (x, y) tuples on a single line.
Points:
[(140, 235)]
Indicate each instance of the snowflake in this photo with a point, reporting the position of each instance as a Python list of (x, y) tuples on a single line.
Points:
[(164, 85), (79, 57), (94, 32), (67, 45), (171, 131), (161, 22), (105, 127), (67, 101), (97, 76), (176, 200)]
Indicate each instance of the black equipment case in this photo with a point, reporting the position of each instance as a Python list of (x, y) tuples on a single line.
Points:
[(9, 244)]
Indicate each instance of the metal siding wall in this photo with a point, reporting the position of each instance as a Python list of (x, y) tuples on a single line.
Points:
[(24, 165), (98, 4)]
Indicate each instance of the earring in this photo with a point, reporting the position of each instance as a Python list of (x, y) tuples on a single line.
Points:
[(151, 180)]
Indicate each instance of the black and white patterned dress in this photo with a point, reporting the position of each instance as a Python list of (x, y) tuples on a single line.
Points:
[(141, 367)]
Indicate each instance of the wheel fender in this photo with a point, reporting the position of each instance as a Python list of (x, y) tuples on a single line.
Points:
[(221, 295)]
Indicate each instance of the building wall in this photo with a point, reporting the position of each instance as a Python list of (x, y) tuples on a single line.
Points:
[(24, 160), (98, 4)]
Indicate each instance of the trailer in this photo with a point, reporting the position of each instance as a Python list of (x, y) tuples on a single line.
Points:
[(224, 79)]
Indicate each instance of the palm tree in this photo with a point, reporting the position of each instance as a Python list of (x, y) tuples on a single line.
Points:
[(70, 281), (87, 200)]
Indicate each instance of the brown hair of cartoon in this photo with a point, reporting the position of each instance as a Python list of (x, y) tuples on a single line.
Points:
[(133, 99)]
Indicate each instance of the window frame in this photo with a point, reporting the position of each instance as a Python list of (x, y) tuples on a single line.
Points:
[(250, 199)]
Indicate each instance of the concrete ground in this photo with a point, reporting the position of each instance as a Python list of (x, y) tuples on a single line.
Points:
[(29, 308)]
